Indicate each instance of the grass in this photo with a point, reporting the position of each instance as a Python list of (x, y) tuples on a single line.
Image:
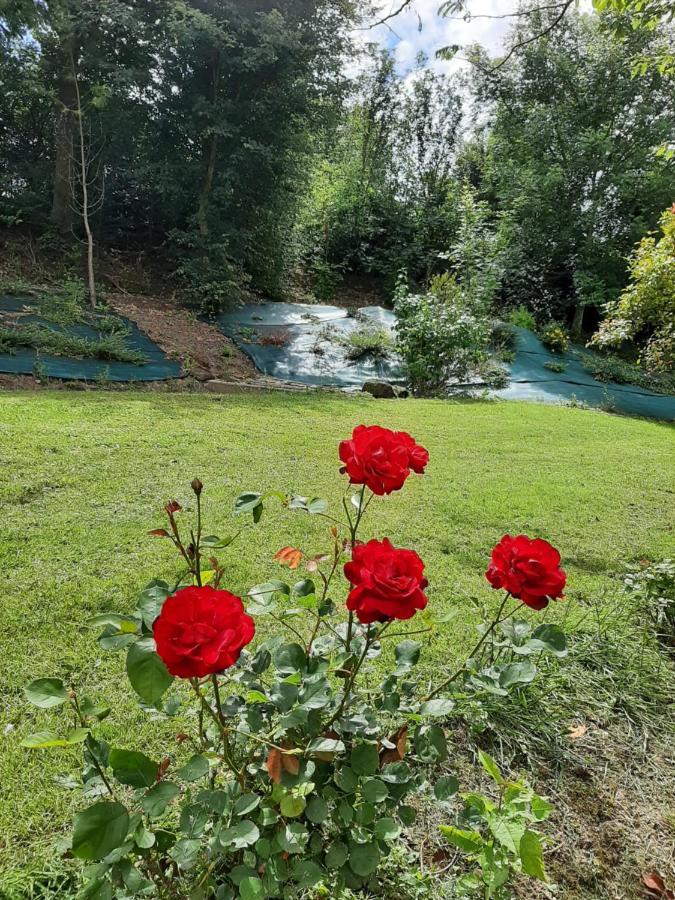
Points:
[(368, 341), (83, 478), (110, 346)]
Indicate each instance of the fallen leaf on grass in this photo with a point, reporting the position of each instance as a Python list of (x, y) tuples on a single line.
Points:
[(575, 733), (656, 886)]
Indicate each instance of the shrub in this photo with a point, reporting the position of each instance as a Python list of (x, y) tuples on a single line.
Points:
[(555, 337), (439, 335), (368, 341), (111, 346), (521, 317), (555, 366), (613, 368), (295, 759), (645, 312)]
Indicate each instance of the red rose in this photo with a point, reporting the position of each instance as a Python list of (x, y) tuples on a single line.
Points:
[(201, 631), (387, 583), (528, 569), (380, 458)]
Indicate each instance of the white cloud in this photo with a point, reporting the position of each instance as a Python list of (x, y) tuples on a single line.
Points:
[(419, 28)]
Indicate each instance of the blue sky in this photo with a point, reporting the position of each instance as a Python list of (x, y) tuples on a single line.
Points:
[(406, 38)]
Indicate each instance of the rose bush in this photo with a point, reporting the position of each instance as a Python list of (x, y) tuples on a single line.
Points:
[(296, 759)]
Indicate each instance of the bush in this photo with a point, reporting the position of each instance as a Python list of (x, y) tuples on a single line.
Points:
[(555, 337), (645, 312), (294, 761), (613, 368), (439, 336), (521, 317), (369, 341)]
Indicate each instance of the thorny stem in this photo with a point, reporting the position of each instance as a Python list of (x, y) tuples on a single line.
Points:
[(498, 618), (83, 722), (352, 679)]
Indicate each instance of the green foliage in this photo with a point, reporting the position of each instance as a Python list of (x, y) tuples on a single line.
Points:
[(555, 337), (60, 343), (613, 368), (558, 367), (522, 318), (571, 207), (652, 589), (499, 836), (369, 341), (439, 335), (645, 312)]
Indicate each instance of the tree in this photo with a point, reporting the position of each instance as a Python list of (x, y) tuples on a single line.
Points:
[(644, 314), (572, 163)]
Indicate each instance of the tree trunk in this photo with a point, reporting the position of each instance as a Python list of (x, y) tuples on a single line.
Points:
[(203, 210), (62, 212), (578, 321), (84, 174), (210, 153)]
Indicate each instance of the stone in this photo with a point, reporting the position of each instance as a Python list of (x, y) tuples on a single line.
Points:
[(383, 390)]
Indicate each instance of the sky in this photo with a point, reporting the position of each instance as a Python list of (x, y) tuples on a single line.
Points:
[(405, 37)]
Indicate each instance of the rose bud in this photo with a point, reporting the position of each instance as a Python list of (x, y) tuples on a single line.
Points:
[(197, 486)]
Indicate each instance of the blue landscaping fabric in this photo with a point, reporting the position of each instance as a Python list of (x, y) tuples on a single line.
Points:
[(531, 380), (292, 341), (297, 342), (24, 360)]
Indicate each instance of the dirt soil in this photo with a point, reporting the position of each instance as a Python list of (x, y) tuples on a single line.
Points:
[(203, 350)]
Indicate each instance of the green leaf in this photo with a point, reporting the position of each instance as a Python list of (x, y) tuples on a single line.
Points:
[(147, 673), (185, 852), (387, 829), (241, 835), (507, 831), (407, 656), (304, 588), (517, 673), (364, 759), (151, 601), (289, 658), (317, 810), (490, 766), (46, 692), (541, 809), (437, 708), (195, 768), (248, 502), (364, 858), (293, 837), (430, 744), (158, 798), (99, 830), (251, 888), (307, 873), (446, 787), (336, 855), (326, 745), (43, 740), (551, 638), (133, 768), (375, 791), (468, 841), (144, 838), (291, 807), (531, 855), (246, 803), (317, 505)]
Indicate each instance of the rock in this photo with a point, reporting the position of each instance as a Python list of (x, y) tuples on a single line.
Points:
[(383, 390)]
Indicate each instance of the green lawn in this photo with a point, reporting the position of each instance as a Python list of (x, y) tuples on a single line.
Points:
[(84, 476)]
